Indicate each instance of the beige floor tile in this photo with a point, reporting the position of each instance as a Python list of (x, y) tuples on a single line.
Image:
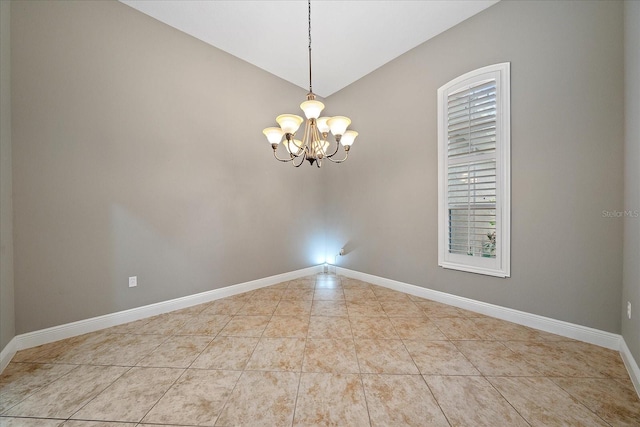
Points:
[(225, 306), (328, 284), (356, 294), (114, 349), (261, 399), (293, 308), (43, 353), (329, 308), (349, 283), (615, 401), (129, 328), (244, 296), (365, 308), (131, 396), (551, 360), (268, 293), (197, 398), (176, 352), (472, 401), (279, 286), (231, 353), (384, 357), (401, 308), (19, 380), (331, 400), (79, 423), (64, 396), (415, 328), (373, 327), (298, 284), (246, 326), (505, 331), (495, 359), (439, 358), (607, 362), (259, 307), (457, 328), (204, 324), (547, 336), (389, 294), (277, 354), (436, 309), (297, 294), (329, 327), (541, 402), (194, 310), (287, 327), (74, 350), (328, 294), (416, 298), (401, 400), (30, 422), (352, 284), (330, 355), (164, 324)]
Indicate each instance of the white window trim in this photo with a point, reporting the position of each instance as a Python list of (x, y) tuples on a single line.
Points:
[(500, 266)]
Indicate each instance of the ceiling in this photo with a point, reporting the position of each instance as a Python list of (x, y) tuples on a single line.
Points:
[(350, 39)]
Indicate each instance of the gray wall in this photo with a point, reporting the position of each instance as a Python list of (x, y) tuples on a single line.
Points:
[(567, 151), (7, 318), (138, 151), (631, 276)]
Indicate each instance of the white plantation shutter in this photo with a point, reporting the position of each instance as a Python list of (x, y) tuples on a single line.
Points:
[(473, 150)]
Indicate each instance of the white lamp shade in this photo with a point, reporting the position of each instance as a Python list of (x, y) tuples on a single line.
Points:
[(312, 108), (289, 123), (339, 124), (348, 137), (294, 146), (274, 135), (323, 126)]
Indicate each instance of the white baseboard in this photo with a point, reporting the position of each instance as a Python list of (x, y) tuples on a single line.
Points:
[(632, 366), (7, 354), (56, 333), (558, 327)]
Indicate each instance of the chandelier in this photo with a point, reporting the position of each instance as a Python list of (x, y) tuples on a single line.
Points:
[(314, 144)]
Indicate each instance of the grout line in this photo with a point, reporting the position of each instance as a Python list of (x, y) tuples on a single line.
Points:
[(360, 373)]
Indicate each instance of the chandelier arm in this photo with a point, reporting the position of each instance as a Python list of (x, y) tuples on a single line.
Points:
[(346, 156), (302, 157), (282, 160), (335, 151)]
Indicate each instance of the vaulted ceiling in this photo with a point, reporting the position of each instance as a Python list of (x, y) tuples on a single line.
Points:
[(349, 38)]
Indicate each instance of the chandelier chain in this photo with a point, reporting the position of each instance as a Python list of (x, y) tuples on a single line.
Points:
[(310, 86)]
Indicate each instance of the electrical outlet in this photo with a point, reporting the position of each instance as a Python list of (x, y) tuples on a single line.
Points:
[(629, 309), (133, 281)]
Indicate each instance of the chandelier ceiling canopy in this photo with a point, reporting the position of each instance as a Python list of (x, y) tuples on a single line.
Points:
[(314, 145)]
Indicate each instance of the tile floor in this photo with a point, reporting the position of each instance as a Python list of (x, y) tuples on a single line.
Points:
[(321, 350)]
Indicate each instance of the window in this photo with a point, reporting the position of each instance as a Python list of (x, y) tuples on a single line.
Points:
[(474, 172)]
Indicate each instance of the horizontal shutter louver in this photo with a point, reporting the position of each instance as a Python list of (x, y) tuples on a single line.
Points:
[(471, 182)]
